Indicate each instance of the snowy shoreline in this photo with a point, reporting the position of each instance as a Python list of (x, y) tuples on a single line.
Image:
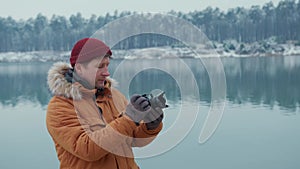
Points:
[(230, 49)]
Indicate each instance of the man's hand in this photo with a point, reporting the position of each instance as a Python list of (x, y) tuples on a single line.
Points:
[(154, 118), (138, 108)]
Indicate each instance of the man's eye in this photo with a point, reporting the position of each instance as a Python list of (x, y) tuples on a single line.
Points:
[(102, 66)]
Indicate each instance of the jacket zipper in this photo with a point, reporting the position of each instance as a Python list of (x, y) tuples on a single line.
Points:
[(100, 111), (117, 163), (101, 116)]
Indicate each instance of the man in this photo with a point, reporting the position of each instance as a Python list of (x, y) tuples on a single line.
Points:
[(91, 122)]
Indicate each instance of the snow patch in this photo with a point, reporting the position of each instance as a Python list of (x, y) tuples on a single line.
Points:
[(226, 49)]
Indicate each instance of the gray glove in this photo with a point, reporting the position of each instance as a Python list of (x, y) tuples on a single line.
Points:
[(138, 108), (154, 118)]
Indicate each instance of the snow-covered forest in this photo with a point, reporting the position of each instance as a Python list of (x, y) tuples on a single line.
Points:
[(237, 29)]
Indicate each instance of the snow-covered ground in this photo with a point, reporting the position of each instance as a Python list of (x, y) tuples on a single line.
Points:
[(36, 56), (264, 48), (227, 49)]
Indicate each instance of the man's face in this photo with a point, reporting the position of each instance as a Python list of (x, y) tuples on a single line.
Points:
[(95, 72)]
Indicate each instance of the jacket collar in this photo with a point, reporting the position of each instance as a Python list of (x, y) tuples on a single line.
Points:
[(60, 85)]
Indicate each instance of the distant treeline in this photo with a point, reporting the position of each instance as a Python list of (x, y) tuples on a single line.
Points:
[(243, 25)]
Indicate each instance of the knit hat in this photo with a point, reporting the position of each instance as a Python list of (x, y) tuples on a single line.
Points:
[(87, 49)]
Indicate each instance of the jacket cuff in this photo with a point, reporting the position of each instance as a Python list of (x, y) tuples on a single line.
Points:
[(152, 132)]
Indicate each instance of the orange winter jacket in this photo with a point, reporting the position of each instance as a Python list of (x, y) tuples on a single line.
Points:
[(92, 132)]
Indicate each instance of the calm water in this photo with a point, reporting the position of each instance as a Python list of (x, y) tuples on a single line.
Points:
[(259, 129)]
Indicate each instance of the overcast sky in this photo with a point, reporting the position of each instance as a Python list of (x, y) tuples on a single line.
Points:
[(24, 9)]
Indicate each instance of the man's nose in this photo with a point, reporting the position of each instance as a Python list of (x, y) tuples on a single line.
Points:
[(105, 72)]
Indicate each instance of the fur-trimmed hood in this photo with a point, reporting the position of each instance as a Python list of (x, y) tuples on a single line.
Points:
[(60, 86)]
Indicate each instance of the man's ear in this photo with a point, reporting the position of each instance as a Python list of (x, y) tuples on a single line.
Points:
[(78, 68)]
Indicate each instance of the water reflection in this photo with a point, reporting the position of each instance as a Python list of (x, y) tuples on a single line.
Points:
[(266, 81), (24, 81)]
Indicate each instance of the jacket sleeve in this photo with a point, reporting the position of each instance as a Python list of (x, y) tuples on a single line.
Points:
[(67, 131), (143, 136)]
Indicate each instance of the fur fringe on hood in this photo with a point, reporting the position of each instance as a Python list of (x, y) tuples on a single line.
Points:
[(59, 86)]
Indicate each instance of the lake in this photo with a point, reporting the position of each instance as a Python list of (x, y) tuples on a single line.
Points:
[(259, 128)]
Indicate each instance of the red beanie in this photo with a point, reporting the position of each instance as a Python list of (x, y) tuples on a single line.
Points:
[(87, 49)]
